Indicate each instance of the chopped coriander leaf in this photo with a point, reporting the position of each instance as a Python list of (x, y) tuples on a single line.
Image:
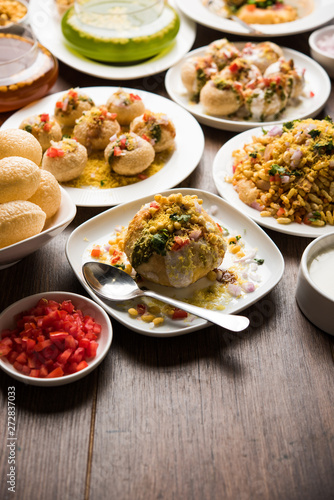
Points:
[(259, 261), (328, 119), (314, 133), (276, 169), (264, 132), (238, 238), (315, 217), (159, 242), (121, 266), (324, 148), (180, 218), (253, 155)]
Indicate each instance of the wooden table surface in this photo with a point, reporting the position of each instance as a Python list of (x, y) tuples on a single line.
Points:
[(204, 416)]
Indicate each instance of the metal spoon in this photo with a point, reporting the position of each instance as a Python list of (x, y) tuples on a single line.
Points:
[(110, 282), (247, 26)]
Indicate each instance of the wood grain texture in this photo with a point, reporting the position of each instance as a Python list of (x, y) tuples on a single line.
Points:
[(206, 416)]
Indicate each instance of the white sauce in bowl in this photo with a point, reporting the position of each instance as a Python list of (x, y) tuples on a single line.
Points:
[(321, 272)]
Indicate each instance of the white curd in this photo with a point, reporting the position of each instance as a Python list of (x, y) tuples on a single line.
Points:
[(321, 272)]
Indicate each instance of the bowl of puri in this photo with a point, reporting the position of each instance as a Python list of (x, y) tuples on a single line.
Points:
[(120, 31), (33, 207), (27, 69), (315, 284)]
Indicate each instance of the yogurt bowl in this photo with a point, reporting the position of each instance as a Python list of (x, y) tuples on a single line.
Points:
[(315, 283), (322, 48)]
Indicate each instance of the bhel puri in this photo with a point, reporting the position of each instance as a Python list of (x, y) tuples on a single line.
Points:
[(65, 159)]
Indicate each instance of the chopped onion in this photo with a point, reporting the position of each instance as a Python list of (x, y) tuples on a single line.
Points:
[(248, 287), (233, 289), (275, 131), (285, 179), (257, 206)]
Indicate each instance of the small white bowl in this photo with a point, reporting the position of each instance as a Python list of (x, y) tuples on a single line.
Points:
[(322, 57), (314, 302), (88, 306), (13, 253)]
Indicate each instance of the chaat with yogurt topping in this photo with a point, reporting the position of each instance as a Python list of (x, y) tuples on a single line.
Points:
[(173, 241), (156, 128), (95, 127), (127, 105), (43, 127), (288, 172), (71, 106), (129, 154)]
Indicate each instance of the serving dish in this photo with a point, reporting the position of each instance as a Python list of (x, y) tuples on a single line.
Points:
[(223, 168), (98, 230), (189, 147), (316, 82), (325, 58), (316, 302), (55, 225), (194, 9), (7, 320), (45, 22)]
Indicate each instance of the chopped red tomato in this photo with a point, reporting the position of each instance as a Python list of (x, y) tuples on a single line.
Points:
[(146, 138), (54, 152), (47, 127), (45, 117), (51, 340), (122, 142), (96, 252), (179, 243), (251, 7), (154, 204), (135, 97), (179, 313), (233, 67), (73, 93), (59, 104), (280, 212), (312, 94), (117, 151)]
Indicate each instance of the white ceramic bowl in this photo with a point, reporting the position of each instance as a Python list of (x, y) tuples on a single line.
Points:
[(322, 57), (55, 225), (88, 306), (314, 302)]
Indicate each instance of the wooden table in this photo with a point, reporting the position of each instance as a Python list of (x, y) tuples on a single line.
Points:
[(203, 416)]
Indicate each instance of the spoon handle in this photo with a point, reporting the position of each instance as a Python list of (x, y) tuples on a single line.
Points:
[(229, 321)]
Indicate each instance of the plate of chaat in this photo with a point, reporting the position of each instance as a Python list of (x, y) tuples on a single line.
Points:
[(184, 243), (282, 177), (237, 86), (109, 145)]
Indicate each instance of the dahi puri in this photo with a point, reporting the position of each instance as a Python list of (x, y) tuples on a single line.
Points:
[(17, 142), (19, 220), (19, 178), (173, 241)]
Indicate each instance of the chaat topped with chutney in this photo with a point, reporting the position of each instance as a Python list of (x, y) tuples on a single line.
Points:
[(173, 241)]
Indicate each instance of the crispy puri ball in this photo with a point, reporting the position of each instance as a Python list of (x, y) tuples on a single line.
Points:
[(222, 52), (19, 178), (195, 72), (221, 97), (95, 127), (155, 127), (19, 220), (262, 54), (129, 154), (48, 195), (17, 142), (44, 128), (126, 105), (71, 106), (65, 159), (173, 241)]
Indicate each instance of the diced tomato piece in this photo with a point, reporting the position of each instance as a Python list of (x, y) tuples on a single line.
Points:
[(154, 204), (59, 104), (4, 350), (43, 372), (34, 373), (251, 7), (47, 127), (117, 151), (91, 349), (44, 117), (42, 345), (312, 94), (25, 370), (95, 252), (57, 372), (18, 366), (146, 138), (280, 212), (78, 355), (122, 142), (233, 67), (22, 358), (135, 97), (179, 314), (84, 343), (141, 309), (72, 368), (64, 356), (12, 356), (54, 152), (179, 243), (54, 336), (112, 116), (83, 364)]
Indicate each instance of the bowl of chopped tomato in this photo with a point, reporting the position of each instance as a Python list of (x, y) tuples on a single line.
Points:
[(53, 338)]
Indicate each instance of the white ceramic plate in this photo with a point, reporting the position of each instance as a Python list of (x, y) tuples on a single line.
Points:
[(222, 168), (66, 213), (322, 13), (45, 22), (189, 142), (7, 320), (99, 229), (317, 81)]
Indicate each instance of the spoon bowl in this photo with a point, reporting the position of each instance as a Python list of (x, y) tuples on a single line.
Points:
[(111, 283)]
